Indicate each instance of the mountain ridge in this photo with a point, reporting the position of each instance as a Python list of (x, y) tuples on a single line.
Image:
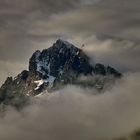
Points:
[(52, 68)]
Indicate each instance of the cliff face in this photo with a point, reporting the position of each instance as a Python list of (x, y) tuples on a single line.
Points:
[(51, 69)]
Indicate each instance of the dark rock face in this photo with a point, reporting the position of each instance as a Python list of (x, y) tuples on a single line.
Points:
[(12, 92), (111, 71), (62, 56), (50, 69), (100, 69)]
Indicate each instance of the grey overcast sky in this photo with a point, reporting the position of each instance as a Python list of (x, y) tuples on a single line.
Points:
[(110, 29)]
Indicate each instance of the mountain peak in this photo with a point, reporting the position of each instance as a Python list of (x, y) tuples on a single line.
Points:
[(63, 42), (62, 56), (64, 62), (50, 69)]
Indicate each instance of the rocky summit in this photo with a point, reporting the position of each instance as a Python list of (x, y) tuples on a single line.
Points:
[(51, 69)]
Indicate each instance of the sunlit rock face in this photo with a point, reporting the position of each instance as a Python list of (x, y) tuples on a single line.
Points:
[(53, 68)]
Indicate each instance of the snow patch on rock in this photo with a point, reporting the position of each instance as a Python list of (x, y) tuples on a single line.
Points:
[(39, 83), (50, 81)]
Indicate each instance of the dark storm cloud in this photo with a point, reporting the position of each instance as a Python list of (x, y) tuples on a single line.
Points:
[(119, 20)]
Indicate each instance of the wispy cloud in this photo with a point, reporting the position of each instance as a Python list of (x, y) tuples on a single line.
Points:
[(74, 113)]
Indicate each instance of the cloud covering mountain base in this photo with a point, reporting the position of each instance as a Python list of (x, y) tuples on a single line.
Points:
[(78, 114)]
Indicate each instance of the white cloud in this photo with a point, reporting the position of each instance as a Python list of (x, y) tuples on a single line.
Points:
[(74, 113)]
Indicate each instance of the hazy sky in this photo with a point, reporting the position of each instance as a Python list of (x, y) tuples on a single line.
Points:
[(109, 28)]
